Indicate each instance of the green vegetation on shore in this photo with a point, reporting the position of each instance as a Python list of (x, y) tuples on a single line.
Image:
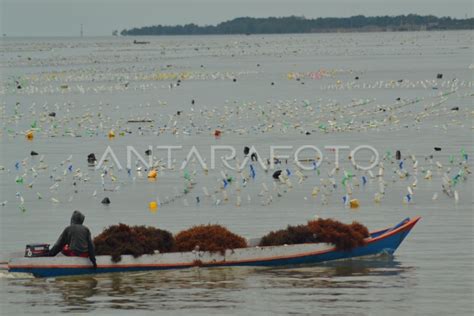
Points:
[(294, 24)]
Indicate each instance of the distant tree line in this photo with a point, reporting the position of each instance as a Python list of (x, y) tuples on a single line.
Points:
[(295, 24)]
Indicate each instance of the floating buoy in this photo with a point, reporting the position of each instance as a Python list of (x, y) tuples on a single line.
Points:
[(354, 203), (153, 206), (152, 174), (91, 158), (276, 174), (30, 135), (398, 155)]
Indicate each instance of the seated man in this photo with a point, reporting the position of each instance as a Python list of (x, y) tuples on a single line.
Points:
[(75, 240)]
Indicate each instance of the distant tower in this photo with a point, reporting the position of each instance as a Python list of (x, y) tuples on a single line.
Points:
[(82, 30)]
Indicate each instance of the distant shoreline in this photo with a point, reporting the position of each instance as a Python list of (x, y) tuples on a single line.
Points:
[(56, 37), (301, 25)]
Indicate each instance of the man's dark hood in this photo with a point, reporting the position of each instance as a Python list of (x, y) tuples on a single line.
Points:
[(77, 218)]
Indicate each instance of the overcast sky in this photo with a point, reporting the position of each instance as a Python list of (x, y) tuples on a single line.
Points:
[(101, 17)]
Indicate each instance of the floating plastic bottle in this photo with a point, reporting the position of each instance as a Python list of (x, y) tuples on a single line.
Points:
[(407, 198), (463, 154), (186, 175), (428, 175), (345, 199), (252, 172)]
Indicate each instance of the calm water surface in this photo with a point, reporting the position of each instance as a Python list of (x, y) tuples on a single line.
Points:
[(111, 80)]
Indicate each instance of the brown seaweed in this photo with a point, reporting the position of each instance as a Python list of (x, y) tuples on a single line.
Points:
[(343, 236), (118, 240), (213, 238), (291, 235)]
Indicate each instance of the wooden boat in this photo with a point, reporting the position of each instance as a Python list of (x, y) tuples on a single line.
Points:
[(384, 241)]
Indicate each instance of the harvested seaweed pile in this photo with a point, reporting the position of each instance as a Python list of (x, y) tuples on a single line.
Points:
[(118, 240), (214, 238), (291, 235), (343, 236)]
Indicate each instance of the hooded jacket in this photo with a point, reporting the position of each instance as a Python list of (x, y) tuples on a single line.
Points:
[(77, 236)]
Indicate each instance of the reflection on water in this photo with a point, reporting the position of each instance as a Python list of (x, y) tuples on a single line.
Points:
[(350, 284)]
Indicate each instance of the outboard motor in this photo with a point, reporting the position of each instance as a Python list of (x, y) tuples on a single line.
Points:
[(36, 250)]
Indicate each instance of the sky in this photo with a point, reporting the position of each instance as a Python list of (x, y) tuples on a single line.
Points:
[(100, 17)]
